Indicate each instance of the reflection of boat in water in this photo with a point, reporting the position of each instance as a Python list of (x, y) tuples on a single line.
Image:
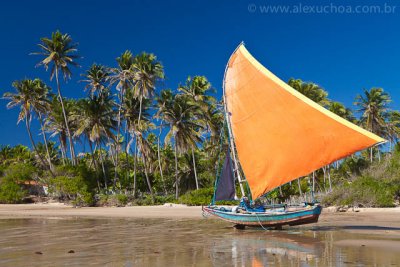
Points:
[(241, 250), (278, 135)]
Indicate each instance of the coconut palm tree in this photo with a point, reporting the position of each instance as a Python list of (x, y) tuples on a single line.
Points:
[(147, 72), (165, 98), (28, 93), (59, 54), (123, 77), (195, 89), (340, 110), (183, 128), (95, 117), (96, 78), (131, 111), (310, 90), (55, 124), (41, 107), (373, 106), (393, 126), (146, 151)]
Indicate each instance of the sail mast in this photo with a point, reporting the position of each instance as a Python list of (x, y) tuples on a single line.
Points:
[(231, 140)]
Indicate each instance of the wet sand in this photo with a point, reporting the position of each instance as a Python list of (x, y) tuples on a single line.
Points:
[(379, 218), (177, 235)]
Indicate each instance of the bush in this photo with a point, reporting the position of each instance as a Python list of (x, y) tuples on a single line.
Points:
[(11, 192), (117, 200), (21, 172), (71, 188), (363, 191)]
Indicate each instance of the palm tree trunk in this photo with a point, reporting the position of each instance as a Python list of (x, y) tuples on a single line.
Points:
[(135, 168), (117, 142), (95, 163), (28, 128), (370, 154), (71, 144), (176, 172), (136, 150), (324, 170), (128, 167), (313, 184), (63, 152), (300, 191), (147, 177), (329, 178), (102, 166), (379, 155), (45, 142), (194, 169), (159, 162)]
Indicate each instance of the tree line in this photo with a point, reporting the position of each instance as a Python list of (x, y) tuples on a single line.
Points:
[(142, 139)]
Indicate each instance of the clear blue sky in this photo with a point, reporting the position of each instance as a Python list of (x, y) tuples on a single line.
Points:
[(343, 53)]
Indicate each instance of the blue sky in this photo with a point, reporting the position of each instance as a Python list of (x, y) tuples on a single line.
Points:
[(343, 53)]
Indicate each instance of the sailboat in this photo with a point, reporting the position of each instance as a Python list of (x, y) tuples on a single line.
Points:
[(276, 135)]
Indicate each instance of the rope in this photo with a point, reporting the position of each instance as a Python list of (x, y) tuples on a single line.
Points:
[(266, 229)]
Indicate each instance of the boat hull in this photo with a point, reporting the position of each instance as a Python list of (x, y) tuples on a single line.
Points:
[(268, 219)]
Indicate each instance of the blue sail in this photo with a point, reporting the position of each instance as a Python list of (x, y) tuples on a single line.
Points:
[(225, 189)]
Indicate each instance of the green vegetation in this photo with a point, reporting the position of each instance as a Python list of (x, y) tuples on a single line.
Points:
[(131, 142), (375, 186)]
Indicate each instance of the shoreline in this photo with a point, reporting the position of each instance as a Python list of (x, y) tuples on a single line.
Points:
[(363, 217)]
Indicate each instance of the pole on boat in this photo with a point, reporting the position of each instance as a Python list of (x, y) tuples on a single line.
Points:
[(231, 141)]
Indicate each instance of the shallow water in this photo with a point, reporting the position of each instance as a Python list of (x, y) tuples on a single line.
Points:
[(168, 242)]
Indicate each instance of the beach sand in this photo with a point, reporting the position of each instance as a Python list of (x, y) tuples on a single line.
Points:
[(378, 220), (383, 217)]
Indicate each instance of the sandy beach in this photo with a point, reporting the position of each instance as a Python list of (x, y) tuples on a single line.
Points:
[(364, 217)]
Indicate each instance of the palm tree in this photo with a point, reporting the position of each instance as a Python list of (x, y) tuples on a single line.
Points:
[(147, 72), (146, 151), (310, 90), (196, 90), (27, 93), (131, 111), (340, 110), (41, 107), (393, 127), (165, 98), (96, 119), (373, 106), (180, 115), (55, 124), (96, 79), (124, 78), (59, 54)]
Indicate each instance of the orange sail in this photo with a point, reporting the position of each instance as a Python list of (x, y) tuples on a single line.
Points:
[(281, 135)]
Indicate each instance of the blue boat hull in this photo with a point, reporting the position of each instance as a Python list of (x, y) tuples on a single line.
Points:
[(270, 218)]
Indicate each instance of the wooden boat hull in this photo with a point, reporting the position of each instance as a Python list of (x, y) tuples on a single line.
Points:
[(268, 219)]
